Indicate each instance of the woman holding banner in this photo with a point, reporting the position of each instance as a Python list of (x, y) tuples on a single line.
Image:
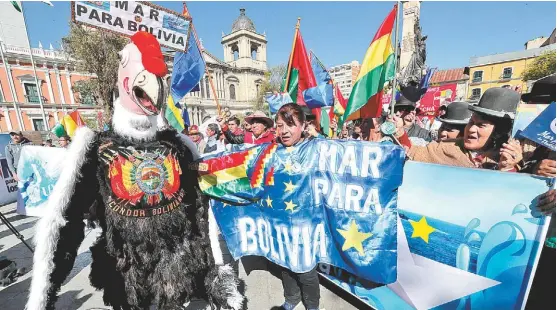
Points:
[(486, 142), (290, 121)]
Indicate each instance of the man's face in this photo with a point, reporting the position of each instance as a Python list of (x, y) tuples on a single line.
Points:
[(477, 132), (257, 127), (408, 114), (16, 138), (209, 132), (63, 142), (247, 127), (195, 137), (232, 126), (48, 143)]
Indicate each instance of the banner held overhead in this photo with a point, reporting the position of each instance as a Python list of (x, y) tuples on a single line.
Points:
[(128, 17)]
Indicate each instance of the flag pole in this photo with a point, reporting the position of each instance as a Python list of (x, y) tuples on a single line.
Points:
[(35, 70), (291, 56), (393, 92), (213, 90)]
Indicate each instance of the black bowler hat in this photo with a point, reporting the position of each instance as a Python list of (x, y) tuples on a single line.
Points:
[(457, 114), (543, 91), (498, 102), (405, 102), (307, 112)]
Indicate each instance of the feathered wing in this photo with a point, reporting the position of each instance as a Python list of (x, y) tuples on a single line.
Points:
[(61, 230)]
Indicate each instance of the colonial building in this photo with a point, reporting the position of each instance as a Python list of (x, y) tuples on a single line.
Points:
[(237, 78), (20, 107), (502, 70)]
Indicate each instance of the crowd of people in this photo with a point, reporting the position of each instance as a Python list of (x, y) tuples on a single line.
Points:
[(464, 134)]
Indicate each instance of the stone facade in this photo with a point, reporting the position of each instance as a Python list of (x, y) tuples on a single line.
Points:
[(237, 79)]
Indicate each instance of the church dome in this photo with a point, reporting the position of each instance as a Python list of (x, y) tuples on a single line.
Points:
[(243, 22)]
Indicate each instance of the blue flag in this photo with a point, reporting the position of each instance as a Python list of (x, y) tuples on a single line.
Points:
[(276, 101), (327, 201), (424, 83), (187, 71), (542, 129), (321, 95)]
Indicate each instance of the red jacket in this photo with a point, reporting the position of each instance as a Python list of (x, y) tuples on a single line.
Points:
[(247, 137)]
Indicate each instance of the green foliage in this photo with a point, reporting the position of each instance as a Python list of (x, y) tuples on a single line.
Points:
[(96, 52), (91, 123), (271, 83), (542, 66)]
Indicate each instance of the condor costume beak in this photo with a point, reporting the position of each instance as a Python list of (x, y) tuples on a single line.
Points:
[(147, 92)]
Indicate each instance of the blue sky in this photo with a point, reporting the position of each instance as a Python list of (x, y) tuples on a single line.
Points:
[(339, 32)]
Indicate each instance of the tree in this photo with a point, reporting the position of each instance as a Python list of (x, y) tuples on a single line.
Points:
[(96, 52), (271, 83), (542, 66)]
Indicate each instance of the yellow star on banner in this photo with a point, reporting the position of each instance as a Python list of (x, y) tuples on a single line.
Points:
[(269, 202), (224, 204), (289, 186), (288, 167), (353, 238), (290, 206), (421, 229)]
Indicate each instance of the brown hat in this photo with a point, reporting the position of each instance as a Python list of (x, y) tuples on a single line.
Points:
[(16, 133), (258, 115)]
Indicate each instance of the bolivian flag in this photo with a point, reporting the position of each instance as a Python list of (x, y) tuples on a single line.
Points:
[(237, 177), (68, 125), (378, 67)]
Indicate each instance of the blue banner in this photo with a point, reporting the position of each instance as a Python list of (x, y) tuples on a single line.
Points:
[(542, 129), (472, 246), (327, 201), (277, 100)]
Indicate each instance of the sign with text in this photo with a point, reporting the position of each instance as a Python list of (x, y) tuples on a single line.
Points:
[(128, 17), (327, 201), (8, 185), (542, 129), (434, 97), (474, 248)]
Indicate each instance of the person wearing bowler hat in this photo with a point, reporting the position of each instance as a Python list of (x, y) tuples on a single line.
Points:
[(406, 110), (453, 121), (260, 130), (485, 143)]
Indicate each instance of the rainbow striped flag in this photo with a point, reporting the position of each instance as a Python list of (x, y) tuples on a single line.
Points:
[(238, 176), (69, 124), (378, 67)]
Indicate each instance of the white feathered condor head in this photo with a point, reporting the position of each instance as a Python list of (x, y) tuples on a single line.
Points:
[(140, 75)]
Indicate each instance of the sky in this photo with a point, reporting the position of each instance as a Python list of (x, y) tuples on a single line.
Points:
[(340, 32)]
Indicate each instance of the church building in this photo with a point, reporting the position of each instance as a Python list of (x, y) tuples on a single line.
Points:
[(237, 78)]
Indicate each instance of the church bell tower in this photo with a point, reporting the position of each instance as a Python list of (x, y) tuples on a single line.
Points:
[(243, 46)]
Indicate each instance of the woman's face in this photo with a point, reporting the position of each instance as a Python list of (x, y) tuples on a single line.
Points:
[(477, 132), (247, 127), (448, 131), (257, 127), (289, 135)]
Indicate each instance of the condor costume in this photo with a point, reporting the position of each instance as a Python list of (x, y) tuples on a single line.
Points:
[(154, 247)]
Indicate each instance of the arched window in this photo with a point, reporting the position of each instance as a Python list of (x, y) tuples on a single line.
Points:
[(236, 55), (232, 92)]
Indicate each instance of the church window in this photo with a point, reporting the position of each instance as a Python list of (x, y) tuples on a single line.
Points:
[(254, 49), (235, 51), (232, 92)]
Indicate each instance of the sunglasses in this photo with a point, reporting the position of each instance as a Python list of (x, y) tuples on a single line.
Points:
[(404, 109)]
